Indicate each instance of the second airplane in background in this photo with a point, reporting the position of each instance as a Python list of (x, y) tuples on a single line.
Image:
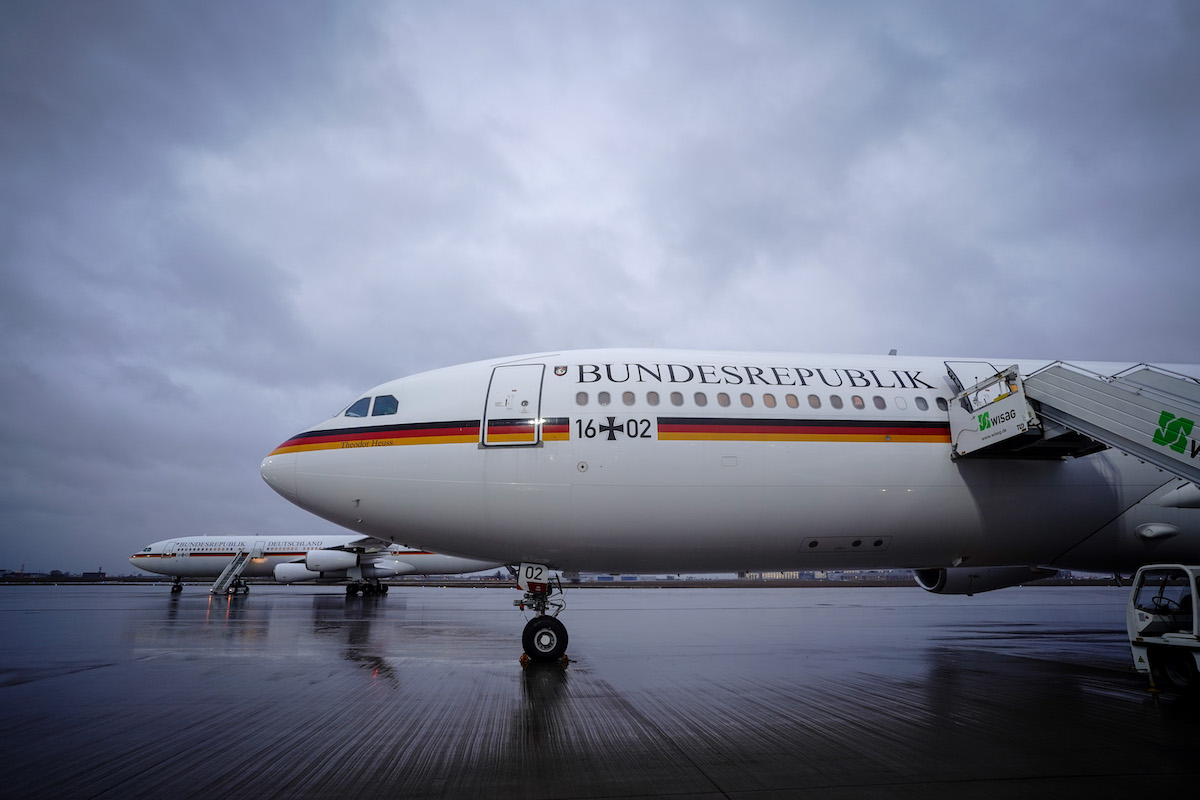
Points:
[(337, 558)]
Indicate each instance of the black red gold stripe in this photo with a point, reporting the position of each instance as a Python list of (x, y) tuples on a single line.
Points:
[(512, 431), (461, 432), (556, 429), (799, 430)]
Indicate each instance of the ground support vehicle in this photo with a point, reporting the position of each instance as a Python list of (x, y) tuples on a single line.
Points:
[(1162, 622)]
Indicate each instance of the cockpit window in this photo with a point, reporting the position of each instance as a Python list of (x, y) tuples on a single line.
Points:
[(385, 404), (359, 409)]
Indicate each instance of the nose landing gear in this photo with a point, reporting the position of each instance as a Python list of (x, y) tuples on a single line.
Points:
[(545, 637)]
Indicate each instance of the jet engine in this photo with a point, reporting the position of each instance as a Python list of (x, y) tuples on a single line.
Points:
[(330, 560), (294, 572), (969, 580)]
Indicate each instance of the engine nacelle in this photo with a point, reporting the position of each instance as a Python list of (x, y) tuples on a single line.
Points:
[(387, 568), (330, 560), (969, 580), (294, 572)]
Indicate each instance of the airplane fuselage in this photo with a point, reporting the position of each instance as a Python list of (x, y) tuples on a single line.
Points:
[(208, 556), (674, 461)]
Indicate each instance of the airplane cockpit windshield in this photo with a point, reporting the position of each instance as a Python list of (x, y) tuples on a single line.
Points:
[(385, 404)]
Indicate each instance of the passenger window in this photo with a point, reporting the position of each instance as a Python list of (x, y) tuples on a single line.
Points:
[(901, 403), (942, 404), (360, 408), (857, 402), (723, 399), (747, 400), (627, 398), (701, 399), (793, 401), (835, 400), (604, 398), (652, 398), (769, 400), (922, 404), (814, 401), (581, 398), (384, 404), (676, 398), (879, 402)]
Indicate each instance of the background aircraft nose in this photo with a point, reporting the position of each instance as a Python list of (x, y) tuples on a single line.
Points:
[(279, 471)]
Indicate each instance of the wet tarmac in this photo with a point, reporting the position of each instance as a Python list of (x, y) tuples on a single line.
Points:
[(128, 691)]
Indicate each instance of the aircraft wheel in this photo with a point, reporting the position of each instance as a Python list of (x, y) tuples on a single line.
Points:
[(1176, 669), (383, 588), (176, 589), (544, 638)]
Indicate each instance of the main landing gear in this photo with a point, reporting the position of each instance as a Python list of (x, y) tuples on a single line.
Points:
[(177, 585), (544, 638), (368, 588)]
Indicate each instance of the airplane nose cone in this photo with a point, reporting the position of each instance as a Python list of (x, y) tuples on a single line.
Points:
[(279, 471)]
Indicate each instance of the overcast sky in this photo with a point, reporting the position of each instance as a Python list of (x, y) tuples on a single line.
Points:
[(221, 221)]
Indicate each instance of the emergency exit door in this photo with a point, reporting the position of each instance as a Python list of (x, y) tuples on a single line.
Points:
[(514, 400)]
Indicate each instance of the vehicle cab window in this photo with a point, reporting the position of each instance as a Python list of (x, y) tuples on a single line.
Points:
[(360, 408), (1166, 597)]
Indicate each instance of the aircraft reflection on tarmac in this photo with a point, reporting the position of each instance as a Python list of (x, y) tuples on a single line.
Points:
[(366, 646)]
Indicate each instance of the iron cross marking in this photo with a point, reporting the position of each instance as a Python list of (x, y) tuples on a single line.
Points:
[(612, 429)]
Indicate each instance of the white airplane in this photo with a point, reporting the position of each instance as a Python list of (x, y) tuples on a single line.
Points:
[(666, 461), (361, 560)]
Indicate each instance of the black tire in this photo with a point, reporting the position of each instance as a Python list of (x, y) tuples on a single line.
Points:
[(544, 639), (1175, 670)]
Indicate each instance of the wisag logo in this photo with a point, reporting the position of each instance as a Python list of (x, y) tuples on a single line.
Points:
[(1173, 432), (986, 420)]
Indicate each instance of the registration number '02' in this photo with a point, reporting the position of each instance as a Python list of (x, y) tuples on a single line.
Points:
[(610, 430)]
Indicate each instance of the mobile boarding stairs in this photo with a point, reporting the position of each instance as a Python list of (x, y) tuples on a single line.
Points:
[(230, 580), (1063, 410)]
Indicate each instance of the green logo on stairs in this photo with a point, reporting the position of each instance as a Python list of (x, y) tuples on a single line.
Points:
[(1173, 431)]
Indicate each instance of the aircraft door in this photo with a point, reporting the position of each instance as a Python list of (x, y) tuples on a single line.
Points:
[(514, 400)]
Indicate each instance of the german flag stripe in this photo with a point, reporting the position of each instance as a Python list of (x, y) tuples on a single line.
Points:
[(511, 431), (556, 429), (460, 432), (790, 430)]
